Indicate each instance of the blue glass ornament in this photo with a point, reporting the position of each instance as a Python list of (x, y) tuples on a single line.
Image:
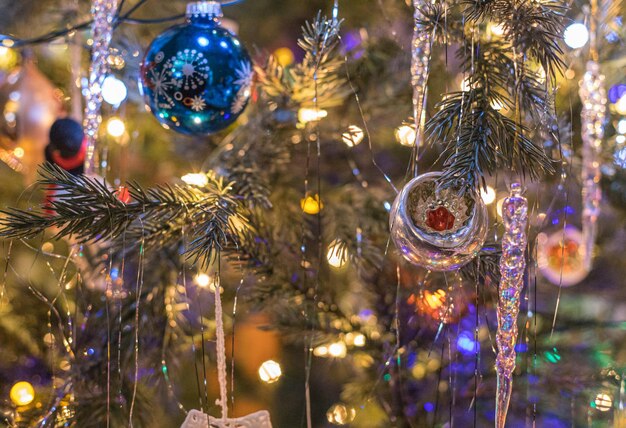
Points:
[(197, 77)]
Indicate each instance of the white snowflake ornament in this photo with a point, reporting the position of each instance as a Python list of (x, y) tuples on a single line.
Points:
[(197, 419)]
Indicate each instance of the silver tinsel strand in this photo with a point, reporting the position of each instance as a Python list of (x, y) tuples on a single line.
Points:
[(593, 119), (103, 12), (512, 268)]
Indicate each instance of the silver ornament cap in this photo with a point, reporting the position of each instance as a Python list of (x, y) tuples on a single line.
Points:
[(204, 9)]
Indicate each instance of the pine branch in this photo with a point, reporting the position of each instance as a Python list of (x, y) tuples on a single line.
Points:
[(89, 211), (317, 77)]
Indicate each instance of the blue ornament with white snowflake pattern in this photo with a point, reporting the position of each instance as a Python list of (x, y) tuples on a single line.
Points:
[(197, 77)]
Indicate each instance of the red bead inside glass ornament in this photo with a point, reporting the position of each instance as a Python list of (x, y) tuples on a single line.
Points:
[(440, 219)]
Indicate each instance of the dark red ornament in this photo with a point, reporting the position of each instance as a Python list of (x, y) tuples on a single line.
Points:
[(440, 219)]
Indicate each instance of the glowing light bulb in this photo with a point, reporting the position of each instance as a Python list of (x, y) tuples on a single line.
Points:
[(270, 371), (195, 179), (116, 127), (337, 254), (340, 414), (306, 115), (359, 340), (18, 152), (337, 350), (311, 204), (405, 135), (497, 105), (202, 280), (321, 351), (284, 56), (488, 195), (22, 393), (114, 90), (621, 126), (353, 136), (497, 29), (603, 402), (576, 35), (620, 105), (499, 206)]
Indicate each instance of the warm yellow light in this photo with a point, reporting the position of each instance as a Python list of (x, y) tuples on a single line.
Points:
[(22, 393), (116, 127), (202, 280), (499, 206), (196, 179), (284, 56), (497, 105), (311, 204), (603, 402), (306, 115), (18, 152), (359, 340), (321, 351), (465, 85), (340, 414), (488, 195), (405, 135), (270, 371), (353, 136), (497, 29), (337, 254), (337, 350), (620, 105), (8, 57)]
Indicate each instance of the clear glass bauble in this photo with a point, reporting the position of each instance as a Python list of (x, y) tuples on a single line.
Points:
[(196, 78), (437, 229)]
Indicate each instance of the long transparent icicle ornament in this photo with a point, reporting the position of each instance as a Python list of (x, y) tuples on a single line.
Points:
[(103, 12), (593, 118), (512, 268), (420, 63)]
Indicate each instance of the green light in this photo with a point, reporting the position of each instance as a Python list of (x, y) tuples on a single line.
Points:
[(387, 377), (553, 356)]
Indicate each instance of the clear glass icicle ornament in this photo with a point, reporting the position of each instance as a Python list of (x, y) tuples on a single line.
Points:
[(103, 12), (512, 268), (420, 61), (593, 118)]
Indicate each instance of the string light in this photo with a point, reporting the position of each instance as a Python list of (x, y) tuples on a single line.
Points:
[(340, 414), (620, 105), (405, 135), (18, 152), (359, 340), (488, 195), (195, 179), (114, 90), (337, 254), (270, 371), (22, 393), (311, 204), (497, 29), (306, 115), (576, 35), (621, 126), (116, 127), (337, 350), (284, 56), (202, 280), (353, 136), (603, 402)]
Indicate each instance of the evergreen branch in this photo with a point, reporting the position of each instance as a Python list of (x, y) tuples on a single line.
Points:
[(88, 210), (317, 77)]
